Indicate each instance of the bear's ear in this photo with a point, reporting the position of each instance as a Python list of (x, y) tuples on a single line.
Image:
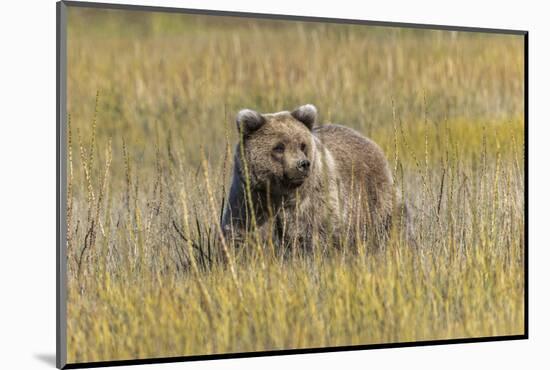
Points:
[(307, 114), (249, 121)]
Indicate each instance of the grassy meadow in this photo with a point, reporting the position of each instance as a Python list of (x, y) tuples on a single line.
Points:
[(152, 99)]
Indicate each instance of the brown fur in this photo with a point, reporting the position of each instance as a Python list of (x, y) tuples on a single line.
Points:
[(347, 192)]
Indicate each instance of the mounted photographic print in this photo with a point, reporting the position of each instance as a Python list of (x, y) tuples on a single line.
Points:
[(235, 184)]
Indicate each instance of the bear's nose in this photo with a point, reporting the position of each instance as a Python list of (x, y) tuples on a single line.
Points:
[(303, 165)]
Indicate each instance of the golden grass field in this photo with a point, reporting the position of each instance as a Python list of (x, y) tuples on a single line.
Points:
[(152, 99)]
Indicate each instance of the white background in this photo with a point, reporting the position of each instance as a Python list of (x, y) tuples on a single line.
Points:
[(27, 183)]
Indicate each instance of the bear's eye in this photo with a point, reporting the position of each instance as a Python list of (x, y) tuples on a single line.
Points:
[(279, 148), (303, 147)]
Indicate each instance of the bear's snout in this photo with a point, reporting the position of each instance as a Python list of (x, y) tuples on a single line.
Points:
[(296, 173), (303, 165)]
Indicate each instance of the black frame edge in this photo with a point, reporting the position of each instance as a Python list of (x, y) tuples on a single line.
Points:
[(302, 351), (526, 180), (61, 191), (288, 17)]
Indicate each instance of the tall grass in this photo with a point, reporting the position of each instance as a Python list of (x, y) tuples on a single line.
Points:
[(152, 99)]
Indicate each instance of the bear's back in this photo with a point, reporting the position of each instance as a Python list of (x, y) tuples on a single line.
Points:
[(359, 162)]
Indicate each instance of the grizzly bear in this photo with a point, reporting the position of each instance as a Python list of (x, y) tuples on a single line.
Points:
[(305, 185)]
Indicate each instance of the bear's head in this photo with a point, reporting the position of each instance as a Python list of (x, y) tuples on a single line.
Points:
[(278, 148)]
